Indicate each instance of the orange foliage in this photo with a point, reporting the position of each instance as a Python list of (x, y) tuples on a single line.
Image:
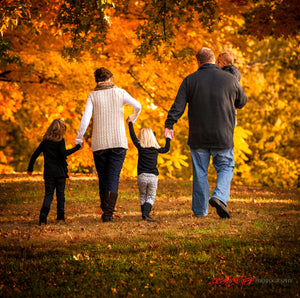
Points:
[(47, 86)]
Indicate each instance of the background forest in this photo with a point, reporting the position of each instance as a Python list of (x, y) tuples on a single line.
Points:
[(50, 49)]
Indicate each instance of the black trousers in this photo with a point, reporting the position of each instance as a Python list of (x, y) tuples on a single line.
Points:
[(52, 184), (109, 163)]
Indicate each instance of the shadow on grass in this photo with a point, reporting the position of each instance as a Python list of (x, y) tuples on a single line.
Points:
[(181, 256)]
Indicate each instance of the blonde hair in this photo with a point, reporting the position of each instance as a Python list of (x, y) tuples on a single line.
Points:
[(147, 138), (55, 131)]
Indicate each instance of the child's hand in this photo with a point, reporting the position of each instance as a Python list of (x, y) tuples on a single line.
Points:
[(169, 136), (29, 173), (128, 120), (169, 133), (81, 145)]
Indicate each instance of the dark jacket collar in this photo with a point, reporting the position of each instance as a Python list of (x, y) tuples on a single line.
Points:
[(209, 66)]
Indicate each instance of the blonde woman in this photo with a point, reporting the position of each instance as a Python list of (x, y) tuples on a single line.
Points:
[(55, 168), (148, 150)]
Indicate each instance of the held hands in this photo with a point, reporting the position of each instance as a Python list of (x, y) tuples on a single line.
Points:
[(128, 120), (81, 144), (169, 136), (169, 133)]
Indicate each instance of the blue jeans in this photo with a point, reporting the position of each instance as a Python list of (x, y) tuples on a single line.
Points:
[(109, 163), (223, 161)]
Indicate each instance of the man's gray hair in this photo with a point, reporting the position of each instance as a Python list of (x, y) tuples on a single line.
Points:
[(205, 55)]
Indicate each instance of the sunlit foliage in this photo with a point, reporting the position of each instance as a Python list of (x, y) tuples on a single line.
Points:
[(50, 49)]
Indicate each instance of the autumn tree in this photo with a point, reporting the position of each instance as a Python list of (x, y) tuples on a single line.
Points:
[(50, 50)]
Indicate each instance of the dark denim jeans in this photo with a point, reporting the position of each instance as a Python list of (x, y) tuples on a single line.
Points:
[(109, 163), (52, 183)]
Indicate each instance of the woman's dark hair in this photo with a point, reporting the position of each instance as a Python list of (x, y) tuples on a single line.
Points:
[(102, 74)]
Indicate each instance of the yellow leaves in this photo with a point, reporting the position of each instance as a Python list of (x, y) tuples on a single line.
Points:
[(256, 79), (81, 159), (240, 144), (56, 88), (11, 100), (60, 108), (6, 169), (277, 170), (192, 34), (10, 18), (81, 257), (3, 158)]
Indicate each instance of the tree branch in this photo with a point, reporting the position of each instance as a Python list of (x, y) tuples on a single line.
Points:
[(41, 81), (131, 73), (3, 74)]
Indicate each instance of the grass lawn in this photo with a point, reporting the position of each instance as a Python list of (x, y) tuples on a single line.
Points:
[(255, 253)]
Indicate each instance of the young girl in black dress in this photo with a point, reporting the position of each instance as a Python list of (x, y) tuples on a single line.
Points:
[(148, 150), (55, 168)]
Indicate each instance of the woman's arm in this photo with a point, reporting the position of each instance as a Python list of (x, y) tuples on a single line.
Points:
[(129, 100), (85, 121)]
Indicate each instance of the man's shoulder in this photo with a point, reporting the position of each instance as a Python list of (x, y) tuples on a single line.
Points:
[(208, 68), (192, 75)]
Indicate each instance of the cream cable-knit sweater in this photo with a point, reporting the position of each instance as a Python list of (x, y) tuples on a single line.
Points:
[(108, 122)]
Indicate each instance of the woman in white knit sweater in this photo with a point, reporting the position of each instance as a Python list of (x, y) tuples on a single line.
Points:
[(109, 142)]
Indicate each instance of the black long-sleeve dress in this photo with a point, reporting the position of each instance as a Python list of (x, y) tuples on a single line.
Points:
[(55, 155)]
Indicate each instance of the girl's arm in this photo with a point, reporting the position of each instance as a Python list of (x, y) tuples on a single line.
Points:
[(64, 152), (166, 148), (33, 158), (73, 150), (133, 136)]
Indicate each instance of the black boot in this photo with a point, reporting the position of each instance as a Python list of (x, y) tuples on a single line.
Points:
[(60, 216), (142, 208), (104, 205), (43, 215), (146, 212), (111, 199), (103, 200)]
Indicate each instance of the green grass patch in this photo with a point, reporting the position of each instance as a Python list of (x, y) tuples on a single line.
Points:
[(180, 256)]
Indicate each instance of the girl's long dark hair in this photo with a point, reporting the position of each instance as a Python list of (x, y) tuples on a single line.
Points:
[(55, 131)]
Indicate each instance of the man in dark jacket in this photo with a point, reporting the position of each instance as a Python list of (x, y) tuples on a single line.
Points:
[(212, 95)]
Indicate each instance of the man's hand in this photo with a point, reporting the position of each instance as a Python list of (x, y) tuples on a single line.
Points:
[(169, 133)]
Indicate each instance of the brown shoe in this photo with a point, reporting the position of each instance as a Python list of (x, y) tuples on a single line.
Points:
[(220, 206)]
